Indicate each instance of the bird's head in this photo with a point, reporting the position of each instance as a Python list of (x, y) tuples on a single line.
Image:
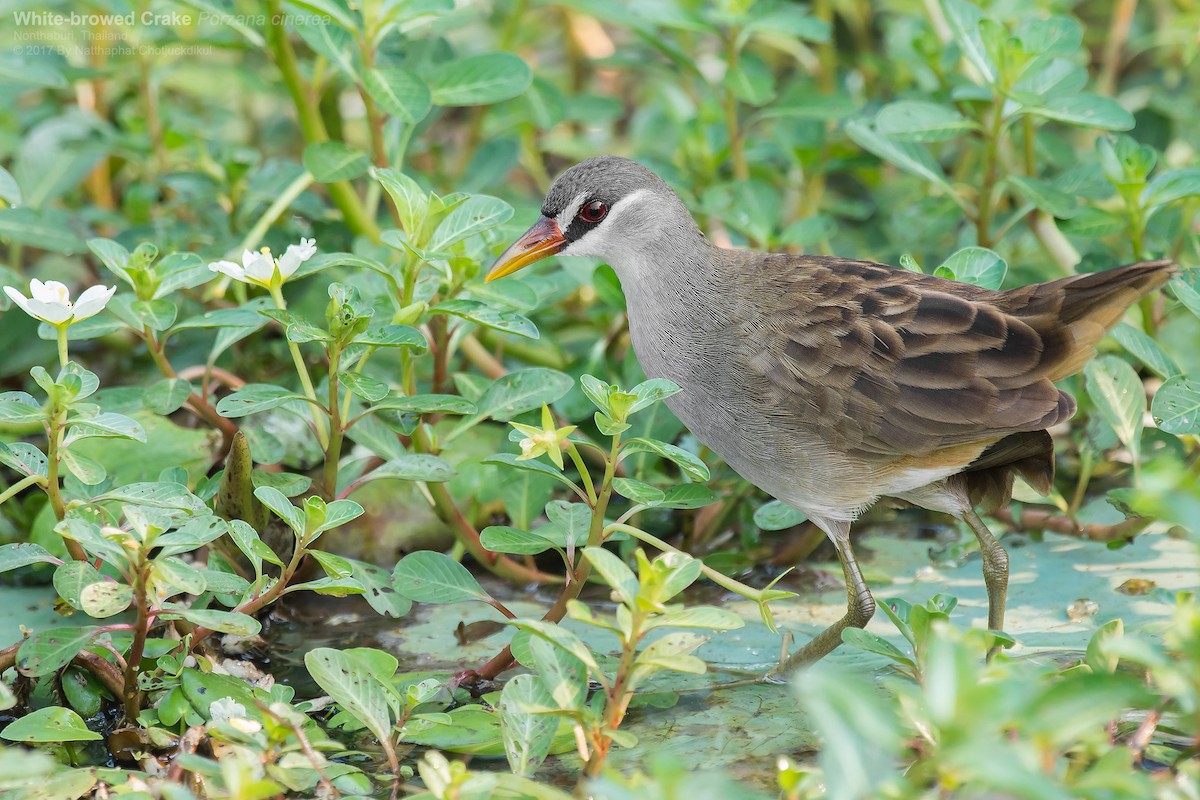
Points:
[(608, 207)]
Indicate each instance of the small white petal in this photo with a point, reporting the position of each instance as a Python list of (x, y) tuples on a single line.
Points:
[(18, 298), (93, 301), (54, 313), (260, 268), (229, 268), (50, 292), (296, 255)]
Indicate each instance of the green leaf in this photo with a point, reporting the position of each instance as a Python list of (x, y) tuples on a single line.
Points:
[(335, 161), (378, 590), (1086, 110), (705, 617), (1176, 406), (503, 539), (615, 573), (155, 494), (479, 80), (105, 425), (921, 121), (105, 598), (167, 396), (430, 577), (254, 398), (691, 466), (427, 404), (520, 391), (46, 652), (366, 387), (24, 458), (50, 725), (638, 492), (89, 471), (688, 495), (19, 408), (275, 500), (1146, 350), (528, 735), (1119, 397), (489, 316), (856, 637), (72, 577), (563, 675), (46, 228), (776, 515), (399, 92), (963, 19), (1171, 185), (410, 199), (559, 637), (1045, 196), (394, 336), (478, 213), (975, 265), (222, 621), (14, 556), (529, 465), (338, 513), (414, 467), (750, 80), (356, 684), (908, 156), (572, 520), (176, 576)]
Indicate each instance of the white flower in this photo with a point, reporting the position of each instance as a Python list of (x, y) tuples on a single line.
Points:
[(226, 708), (261, 269), (51, 302)]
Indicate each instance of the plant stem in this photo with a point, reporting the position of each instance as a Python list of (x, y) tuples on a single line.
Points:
[(53, 490), (141, 630), (722, 580), (286, 198), (196, 403), (19, 486), (333, 451), (319, 420), (983, 222), (62, 346), (308, 112), (737, 150)]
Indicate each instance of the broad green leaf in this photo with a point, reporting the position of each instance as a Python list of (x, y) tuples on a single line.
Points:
[(615, 573), (427, 404), (560, 637), (13, 556), (50, 725), (691, 466), (19, 408), (47, 651), (777, 516), (520, 391), (173, 576), (688, 495), (354, 684), (1176, 406), (975, 265), (335, 161), (921, 121), (563, 675), (223, 621), (379, 591), (413, 467), (167, 396), (572, 521), (431, 577), (1119, 397), (652, 391), (24, 458), (704, 617), (1045, 196), (489, 316), (105, 598), (528, 735), (106, 425), (1171, 185), (1086, 110), (963, 19), (503, 539), (339, 512), (404, 336), (1146, 350), (639, 492), (89, 471), (908, 156), (368, 388), (751, 81), (254, 398), (72, 577), (478, 213), (399, 92), (275, 500), (856, 637), (530, 465), (479, 80), (411, 201)]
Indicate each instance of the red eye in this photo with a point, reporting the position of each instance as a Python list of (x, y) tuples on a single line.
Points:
[(593, 211)]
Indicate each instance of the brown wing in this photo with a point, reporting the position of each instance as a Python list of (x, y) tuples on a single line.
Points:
[(902, 364)]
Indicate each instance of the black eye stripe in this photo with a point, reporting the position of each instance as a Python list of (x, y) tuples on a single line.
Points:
[(586, 218)]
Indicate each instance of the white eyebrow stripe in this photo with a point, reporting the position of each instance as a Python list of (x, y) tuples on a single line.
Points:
[(569, 211)]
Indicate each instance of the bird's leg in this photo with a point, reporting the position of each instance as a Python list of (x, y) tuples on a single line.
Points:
[(995, 571), (860, 607)]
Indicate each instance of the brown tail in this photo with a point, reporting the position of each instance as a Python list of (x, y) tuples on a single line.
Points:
[(1072, 314)]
